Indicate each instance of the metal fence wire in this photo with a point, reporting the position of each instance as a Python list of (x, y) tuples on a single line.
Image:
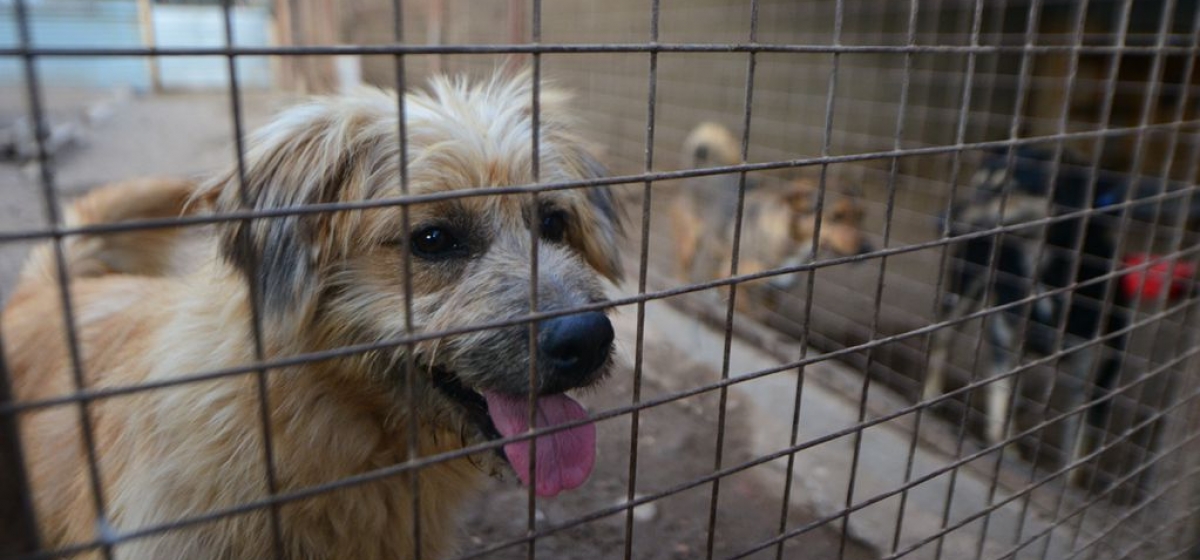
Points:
[(905, 279)]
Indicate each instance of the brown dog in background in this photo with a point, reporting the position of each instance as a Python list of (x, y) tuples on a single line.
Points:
[(778, 224), (325, 280)]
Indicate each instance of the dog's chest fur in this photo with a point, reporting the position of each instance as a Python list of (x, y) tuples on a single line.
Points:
[(175, 453)]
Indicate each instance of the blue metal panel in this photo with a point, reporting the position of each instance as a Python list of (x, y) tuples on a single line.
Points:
[(204, 26), (114, 23), (79, 23)]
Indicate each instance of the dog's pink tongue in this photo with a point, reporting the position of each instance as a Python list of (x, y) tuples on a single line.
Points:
[(564, 458)]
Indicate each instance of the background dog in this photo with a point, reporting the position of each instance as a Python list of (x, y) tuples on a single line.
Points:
[(1024, 190), (323, 281), (778, 224)]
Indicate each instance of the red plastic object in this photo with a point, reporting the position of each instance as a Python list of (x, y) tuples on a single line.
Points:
[(1147, 283)]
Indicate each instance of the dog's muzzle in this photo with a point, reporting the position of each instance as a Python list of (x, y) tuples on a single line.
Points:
[(572, 352)]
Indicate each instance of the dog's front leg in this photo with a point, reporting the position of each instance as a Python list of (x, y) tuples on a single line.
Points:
[(1081, 431), (954, 307), (1000, 391), (935, 378)]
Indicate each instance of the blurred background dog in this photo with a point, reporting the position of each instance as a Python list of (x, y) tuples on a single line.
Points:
[(779, 218), (1066, 265)]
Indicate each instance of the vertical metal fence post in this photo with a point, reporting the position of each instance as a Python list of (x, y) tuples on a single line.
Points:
[(534, 238), (39, 121), (955, 168), (735, 247), (252, 287), (643, 269), (18, 521), (400, 67)]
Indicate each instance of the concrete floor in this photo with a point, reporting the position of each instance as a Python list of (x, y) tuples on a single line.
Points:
[(822, 473)]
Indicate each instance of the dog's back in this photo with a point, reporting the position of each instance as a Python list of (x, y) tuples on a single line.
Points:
[(108, 274), (148, 252)]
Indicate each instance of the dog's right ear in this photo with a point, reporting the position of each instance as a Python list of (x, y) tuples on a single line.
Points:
[(318, 153)]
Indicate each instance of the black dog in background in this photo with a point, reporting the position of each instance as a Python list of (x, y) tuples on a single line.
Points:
[(1035, 260)]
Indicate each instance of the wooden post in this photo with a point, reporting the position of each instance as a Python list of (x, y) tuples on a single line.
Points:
[(516, 21), (308, 23), (285, 36), (146, 25), (516, 32), (434, 28)]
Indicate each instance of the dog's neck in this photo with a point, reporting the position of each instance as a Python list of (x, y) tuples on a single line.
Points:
[(328, 421), (348, 405)]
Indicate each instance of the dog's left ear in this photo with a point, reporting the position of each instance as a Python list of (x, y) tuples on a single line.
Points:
[(602, 223)]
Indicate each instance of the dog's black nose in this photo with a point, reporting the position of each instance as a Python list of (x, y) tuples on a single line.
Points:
[(572, 347)]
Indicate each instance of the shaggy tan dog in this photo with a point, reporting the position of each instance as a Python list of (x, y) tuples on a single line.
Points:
[(325, 280)]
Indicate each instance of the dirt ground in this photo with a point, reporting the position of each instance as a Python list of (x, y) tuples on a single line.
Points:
[(191, 135), (676, 444)]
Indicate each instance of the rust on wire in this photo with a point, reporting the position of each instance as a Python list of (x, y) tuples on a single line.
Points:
[(1070, 512)]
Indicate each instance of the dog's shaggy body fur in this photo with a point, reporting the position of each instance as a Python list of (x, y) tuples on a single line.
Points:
[(778, 224), (325, 280)]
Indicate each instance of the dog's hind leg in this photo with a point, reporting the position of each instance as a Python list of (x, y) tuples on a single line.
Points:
[(999, 394)]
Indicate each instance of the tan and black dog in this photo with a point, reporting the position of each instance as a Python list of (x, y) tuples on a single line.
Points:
[(779, 218), (326, 280)]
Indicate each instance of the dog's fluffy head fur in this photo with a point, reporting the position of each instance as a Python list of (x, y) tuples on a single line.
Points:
[(340, 278)]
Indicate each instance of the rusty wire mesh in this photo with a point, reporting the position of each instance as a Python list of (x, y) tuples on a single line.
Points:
[(899, 100)]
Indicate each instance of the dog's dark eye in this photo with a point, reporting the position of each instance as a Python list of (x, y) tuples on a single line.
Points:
[(435, 242), (554, 226)]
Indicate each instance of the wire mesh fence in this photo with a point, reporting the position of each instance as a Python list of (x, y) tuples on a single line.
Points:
[(903, 280)]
